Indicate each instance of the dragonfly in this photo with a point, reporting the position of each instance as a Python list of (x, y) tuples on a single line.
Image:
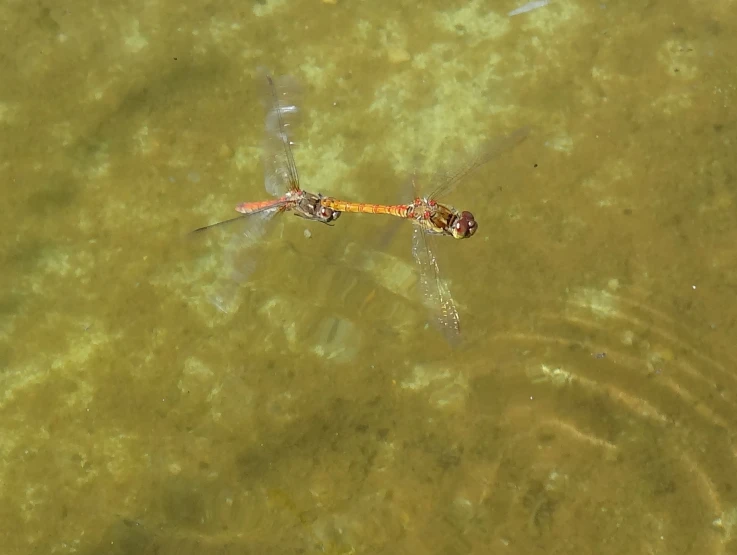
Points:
[(281, 180), (280, 168), (432, 218)]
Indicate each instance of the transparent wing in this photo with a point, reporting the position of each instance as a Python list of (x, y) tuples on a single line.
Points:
[(280, 97), (236, 261), (444, 182), (435, 292)]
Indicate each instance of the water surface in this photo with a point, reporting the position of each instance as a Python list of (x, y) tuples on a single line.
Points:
[(591, 406)]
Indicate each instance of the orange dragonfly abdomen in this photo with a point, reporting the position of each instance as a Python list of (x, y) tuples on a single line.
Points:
[(260, 206), (398, 210)]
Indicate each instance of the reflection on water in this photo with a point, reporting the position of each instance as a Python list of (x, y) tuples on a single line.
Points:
[(591, 407)]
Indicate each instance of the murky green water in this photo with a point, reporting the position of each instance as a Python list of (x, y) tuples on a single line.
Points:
[(592, 405)]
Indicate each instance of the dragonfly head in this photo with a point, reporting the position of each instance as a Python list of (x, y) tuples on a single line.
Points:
[(464, 226), (327, 215)]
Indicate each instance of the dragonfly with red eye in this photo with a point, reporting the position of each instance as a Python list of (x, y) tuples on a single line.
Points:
[(281, 181), (281, 169), (433, 218)]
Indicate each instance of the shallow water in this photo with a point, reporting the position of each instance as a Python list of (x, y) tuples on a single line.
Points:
[(591, 406)]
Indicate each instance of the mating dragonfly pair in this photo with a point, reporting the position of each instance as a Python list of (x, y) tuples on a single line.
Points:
[(429, 216)]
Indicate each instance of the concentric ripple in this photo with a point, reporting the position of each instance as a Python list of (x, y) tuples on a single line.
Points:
[(618, 434)]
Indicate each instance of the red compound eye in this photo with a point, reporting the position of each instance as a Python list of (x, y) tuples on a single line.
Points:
[(328, 214), (465, 226)]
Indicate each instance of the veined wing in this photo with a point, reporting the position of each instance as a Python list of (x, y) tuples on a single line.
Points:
[(435, 292), (246, 209), (280, 98), (237, 260), (444, 182)]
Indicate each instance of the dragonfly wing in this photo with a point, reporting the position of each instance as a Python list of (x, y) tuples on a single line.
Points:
[(435, 292), (445, 181), (280, 97), (237, 260)]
